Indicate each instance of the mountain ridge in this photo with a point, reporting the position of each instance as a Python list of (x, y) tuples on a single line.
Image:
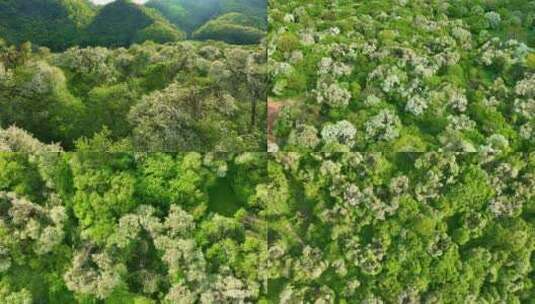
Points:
[(52, 23), (190, 15), (59, 24), (123, 22)]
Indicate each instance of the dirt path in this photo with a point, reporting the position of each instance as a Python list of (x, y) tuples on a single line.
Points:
[(273, 112)]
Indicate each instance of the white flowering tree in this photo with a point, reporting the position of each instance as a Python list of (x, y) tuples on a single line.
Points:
[(420, 62), (367, 227)]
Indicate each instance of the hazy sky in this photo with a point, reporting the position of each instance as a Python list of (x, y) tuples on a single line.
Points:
[(108, 1)]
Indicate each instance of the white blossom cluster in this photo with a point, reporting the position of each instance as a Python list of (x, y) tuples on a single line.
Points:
[(6, 74), (368, 258), (14, 139), (93, 61), (93, 273), (383, 126), (512, 189), (509, 52), (305, 136), (182, 255), (28, 225), (329, 90), (334, 95), (494, 19), (433, 206), (366, 63), (343, 132), (416, 105)]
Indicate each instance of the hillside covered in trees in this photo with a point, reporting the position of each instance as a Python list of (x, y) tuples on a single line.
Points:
[(59, 24), (120, 76), (186, 96), (133, 163), (190, 15), (400, 75), (233, 28)]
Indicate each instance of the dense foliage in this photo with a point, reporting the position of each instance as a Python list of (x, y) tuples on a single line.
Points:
[(233, 28), (59, 24), (135, 216), (287, 228), (401, 228), (52, 23), (190, 15), (131, 228), (122, 23), (151, 97), (400, 75)]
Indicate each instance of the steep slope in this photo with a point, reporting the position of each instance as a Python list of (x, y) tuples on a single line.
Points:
[(255, 9), (189, 15), (233, 28), (123, 22), (103, 2), (52, 23)]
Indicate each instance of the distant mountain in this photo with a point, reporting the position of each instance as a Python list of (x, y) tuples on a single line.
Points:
[(189, 15), (233, 28), (123, 22), (52, 23), (103, 2), (59, 24)]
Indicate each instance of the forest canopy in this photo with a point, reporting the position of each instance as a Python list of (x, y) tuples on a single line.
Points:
[(399, 75), (401, 228), (121, 76), (133, 165), (264, 228), (131, 228), (186, 96)]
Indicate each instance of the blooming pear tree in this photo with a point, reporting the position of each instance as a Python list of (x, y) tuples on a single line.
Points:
[(399, 71)]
